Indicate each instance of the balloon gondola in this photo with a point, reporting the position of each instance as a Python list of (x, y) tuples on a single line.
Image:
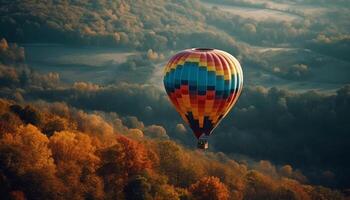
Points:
[(203, 84)]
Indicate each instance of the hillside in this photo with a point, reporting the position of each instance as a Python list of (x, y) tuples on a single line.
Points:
[(158, 24), (163, 24), (102, 61), (53, 151)]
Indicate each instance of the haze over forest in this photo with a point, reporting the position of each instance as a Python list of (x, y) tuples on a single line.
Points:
[(84, 114)]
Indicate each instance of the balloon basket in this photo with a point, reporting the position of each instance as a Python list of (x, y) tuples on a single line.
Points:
[(202, 144)]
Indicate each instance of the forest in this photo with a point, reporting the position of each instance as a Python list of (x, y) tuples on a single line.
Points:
[(50, 150), (83, 112), (165, 24)]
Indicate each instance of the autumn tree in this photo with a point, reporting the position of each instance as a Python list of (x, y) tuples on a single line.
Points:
[(26, 163), (230, 173), (293, 189), (258, 186), (80, 161), (32, 145), (121, 161), (179, 166), (209, 188), (76, 162)]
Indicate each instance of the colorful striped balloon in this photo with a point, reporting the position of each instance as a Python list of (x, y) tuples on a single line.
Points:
[(203, 84)]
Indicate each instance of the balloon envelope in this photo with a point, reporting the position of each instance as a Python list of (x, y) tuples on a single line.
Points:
[(203, 85)]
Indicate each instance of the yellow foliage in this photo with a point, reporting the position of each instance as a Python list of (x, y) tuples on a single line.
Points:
[(29, 140), (92, 161)]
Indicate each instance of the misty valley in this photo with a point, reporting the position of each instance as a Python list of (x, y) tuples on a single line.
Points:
[(84, 113)]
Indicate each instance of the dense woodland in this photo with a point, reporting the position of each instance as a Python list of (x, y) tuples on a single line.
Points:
[(55, 151), (132, 24), (164, 24), (80, 141)]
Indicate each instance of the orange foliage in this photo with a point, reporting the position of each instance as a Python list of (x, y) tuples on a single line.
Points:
[(134, 156), (32, 145), (121, 161), (69, 154), (209, 188), (232, 178), (76, 161), (294, 186)]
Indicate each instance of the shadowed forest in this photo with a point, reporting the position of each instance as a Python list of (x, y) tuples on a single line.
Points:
[(83, 112)]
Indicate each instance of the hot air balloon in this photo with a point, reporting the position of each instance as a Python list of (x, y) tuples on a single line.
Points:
[(203, 84)]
